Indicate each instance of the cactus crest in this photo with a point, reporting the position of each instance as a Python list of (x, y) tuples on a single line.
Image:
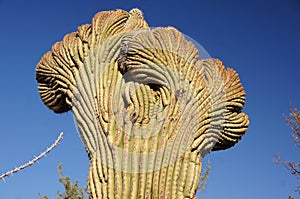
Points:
[(146, 106)]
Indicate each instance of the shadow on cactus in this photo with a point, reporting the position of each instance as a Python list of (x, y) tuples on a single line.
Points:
[(146, 106)]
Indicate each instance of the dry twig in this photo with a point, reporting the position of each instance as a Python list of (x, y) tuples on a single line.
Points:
[(294, 123), (31, 162)]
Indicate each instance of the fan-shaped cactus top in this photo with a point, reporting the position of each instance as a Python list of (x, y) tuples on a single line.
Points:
[(146, 106)]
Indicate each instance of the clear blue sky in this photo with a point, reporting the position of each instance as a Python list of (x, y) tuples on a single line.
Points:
[(259, 39)]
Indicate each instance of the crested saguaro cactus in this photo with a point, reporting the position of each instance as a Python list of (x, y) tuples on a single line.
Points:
[(147, 108)]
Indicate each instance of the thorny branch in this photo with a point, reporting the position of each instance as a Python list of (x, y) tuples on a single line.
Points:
[(31, 162)]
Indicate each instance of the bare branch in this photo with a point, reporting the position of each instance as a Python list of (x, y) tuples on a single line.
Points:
[(35, 159), (293, 121), (293, 167)]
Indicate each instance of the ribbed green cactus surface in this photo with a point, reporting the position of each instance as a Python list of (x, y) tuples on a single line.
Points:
[(147, 107)]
